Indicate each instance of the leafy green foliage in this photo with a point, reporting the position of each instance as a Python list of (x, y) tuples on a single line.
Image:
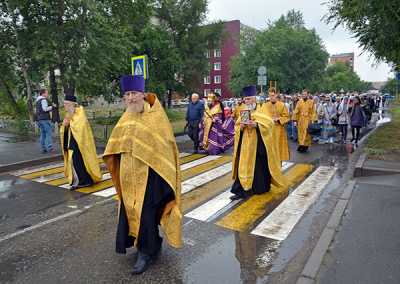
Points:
[(375, 23), (294, 56), (391, 87), (90, 42), (340, 76)]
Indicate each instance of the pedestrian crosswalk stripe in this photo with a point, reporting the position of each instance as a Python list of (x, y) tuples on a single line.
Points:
[(106, 192), (58, 168), (205, 192), (46, 172), (58, 181), (97, 187), (283, 219), (193, 170), (220, 202), (205, 177), (199, 162), (20, 173), (189, 173), (244, 216), (183, 154), (190, 158), (43, 179), (54, 175), (189, 183)]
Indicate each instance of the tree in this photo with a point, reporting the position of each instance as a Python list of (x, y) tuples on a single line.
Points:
[(391, 87), (375, 23), (341, 76), (184, 20), (294, 56)]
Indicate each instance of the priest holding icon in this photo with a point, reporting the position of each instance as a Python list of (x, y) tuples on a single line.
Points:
[(256, 162)]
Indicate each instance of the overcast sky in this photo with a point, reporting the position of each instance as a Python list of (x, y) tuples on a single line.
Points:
[(255, 13)]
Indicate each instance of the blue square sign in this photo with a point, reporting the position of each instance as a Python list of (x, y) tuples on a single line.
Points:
[(139, 66)]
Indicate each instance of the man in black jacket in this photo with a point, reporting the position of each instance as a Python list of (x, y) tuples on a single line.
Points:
[(194, 115)]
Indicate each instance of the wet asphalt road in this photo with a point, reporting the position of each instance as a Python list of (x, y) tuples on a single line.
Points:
[(80, 248)]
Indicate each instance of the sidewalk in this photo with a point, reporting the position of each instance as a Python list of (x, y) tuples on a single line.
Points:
[(14, 152), (366, 247)]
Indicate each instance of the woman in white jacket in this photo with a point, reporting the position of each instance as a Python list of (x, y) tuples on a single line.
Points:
[(343, 118)]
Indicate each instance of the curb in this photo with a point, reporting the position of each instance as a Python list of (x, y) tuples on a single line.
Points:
[(54, 158), (29, 163), (314, 262)]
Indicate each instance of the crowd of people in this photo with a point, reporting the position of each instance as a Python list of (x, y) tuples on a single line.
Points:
[(143, 159), (335, 115), (320, 118)]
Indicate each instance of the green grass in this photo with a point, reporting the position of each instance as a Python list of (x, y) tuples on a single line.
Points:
[(384, 144)]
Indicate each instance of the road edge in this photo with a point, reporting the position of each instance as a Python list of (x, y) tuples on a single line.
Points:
[(314, 262)]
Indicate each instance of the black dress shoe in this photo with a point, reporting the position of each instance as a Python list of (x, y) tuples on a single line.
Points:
[(142, 263), (84, 185), (236, 197)]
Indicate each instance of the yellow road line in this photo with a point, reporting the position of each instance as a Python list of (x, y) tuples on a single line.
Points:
[(191, 158), (63, 180), (96, 187), (60, 169), (244, 216), (189, 173), (48, 172), (186, 175)]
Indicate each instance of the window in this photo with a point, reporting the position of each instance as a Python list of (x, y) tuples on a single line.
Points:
[(217, 79), (217, 52), (206, 91), (217, 66), (207, 80), (219, 91), (207, 54)]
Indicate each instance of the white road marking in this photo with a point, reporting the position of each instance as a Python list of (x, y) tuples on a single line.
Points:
[(53, 220), (33, 170), (105, 177), (181, 155), (187, 185), (218, 203), (282, 220), (45, 178), (111, 191), (56, 165), (199, 162), (205, 177)]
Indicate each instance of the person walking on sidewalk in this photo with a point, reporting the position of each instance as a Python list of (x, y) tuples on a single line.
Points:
[(44, 120), (81, 166), (194, 115), (357, 120)]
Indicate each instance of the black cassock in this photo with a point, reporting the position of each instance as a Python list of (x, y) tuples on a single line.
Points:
[(77, 161), (262, 175), (158, 194)]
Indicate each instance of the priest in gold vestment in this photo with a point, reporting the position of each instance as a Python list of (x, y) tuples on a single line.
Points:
[(304, 114), (81, 166), (280, 116), (256, 163), (143, 160)]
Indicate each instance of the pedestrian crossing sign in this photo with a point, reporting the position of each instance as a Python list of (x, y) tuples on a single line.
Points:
[(139, 66)]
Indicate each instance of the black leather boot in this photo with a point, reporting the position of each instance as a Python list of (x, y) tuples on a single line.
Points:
[(142, 263)]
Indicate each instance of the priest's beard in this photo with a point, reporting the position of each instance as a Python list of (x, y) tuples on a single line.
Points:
[(136, 107), (251, 106)]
